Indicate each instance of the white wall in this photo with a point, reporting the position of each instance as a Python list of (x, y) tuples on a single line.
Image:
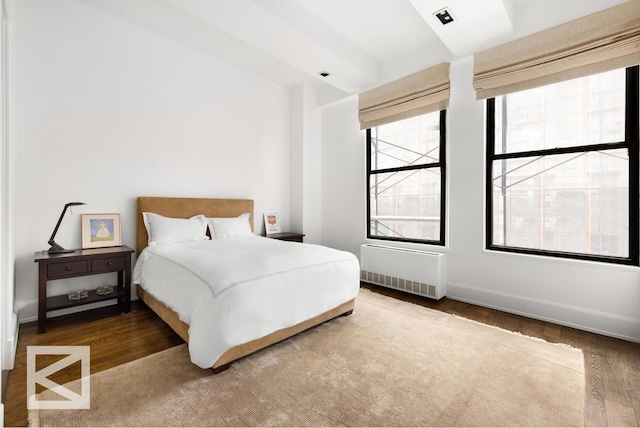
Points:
[(592, 296), (305, 164), (106, 112), (343, 177)]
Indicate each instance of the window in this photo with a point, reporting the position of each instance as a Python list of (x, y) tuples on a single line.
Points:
[(406, 179), (562, 169)]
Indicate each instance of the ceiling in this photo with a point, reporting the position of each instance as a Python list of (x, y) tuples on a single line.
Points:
[(359, 43)]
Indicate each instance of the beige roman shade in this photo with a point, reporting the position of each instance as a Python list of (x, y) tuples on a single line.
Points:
[(416, 94), (596, 43)]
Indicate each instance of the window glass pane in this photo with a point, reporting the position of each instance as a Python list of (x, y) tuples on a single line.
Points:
[(576, 202), (406, 204), (584, 111), (413, 141)]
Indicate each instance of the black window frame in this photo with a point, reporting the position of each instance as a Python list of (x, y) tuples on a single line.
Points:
[(632, 136), (441, 164)]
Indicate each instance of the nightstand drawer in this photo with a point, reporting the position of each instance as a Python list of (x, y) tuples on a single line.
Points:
[(108, 264), (60, 270)]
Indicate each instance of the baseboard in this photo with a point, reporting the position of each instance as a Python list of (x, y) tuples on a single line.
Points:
[(11, 345), (603, 323)]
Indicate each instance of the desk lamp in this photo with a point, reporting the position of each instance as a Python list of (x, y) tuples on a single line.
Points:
[(55, 248)]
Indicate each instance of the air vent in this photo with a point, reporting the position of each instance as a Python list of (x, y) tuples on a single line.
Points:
[(444, 16)]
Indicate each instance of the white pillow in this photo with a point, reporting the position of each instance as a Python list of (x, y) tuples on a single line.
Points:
[(230, 227), (168, 230)]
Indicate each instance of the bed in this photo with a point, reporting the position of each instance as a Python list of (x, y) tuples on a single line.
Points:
[(226, 317)]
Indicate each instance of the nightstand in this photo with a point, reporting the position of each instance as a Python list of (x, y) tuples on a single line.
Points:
[(82, 263), (287, 236)]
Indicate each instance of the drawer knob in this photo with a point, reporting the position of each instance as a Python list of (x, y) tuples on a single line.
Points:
[(67, 267), (109, 263)]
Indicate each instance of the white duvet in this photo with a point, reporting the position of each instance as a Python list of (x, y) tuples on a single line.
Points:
[(231, 291)]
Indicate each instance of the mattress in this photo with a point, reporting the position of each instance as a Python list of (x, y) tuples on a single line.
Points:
[(231, 291)]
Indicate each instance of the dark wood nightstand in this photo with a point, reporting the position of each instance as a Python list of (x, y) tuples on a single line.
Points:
[(287, 236), (82, 263)]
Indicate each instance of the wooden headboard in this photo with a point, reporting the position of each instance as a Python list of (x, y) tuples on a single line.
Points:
[(188, 207)]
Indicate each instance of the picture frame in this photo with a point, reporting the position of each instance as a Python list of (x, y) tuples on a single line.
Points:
[(101, 230), (271, 223)]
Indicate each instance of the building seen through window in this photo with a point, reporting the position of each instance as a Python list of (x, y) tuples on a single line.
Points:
[(406, 179), (561, 164)]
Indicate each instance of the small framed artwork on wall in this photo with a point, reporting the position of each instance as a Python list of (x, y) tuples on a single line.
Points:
[(101, 230), (271, 223)]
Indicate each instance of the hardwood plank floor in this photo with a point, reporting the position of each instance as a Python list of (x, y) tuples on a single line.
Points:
[(612, 366), (114, 339)]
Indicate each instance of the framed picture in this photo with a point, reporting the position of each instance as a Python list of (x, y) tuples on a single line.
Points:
[(101, 230), (271, 224)]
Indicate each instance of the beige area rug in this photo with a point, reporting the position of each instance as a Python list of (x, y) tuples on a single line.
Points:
[(391, 363)]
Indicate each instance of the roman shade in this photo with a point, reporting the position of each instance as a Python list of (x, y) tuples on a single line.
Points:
[(416, 94), (596, 43)]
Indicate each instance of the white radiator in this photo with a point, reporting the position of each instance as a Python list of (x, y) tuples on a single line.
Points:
[(413, 271)]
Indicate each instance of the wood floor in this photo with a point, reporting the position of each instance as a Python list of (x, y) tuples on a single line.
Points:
[(612, 366), (114, 339)]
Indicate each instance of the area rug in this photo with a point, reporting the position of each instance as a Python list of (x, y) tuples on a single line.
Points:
[(391, 363)]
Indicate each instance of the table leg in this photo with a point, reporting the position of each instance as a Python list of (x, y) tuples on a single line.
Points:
[(127, 285), (42, 298)]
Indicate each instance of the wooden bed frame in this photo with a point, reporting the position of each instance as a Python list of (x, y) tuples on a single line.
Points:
[(188, 207)]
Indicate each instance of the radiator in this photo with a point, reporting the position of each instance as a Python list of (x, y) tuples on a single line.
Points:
[(413, 271)]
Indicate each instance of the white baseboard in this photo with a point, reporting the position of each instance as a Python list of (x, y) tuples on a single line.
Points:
[(607, 324), (11, 345), (16, 331)]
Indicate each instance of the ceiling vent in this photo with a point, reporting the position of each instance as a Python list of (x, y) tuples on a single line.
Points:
[(444, 16)]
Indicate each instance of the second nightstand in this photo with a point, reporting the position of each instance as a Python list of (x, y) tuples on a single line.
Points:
[(287, 236)]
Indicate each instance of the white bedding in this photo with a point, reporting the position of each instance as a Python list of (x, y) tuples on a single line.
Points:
[(231, 291)]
